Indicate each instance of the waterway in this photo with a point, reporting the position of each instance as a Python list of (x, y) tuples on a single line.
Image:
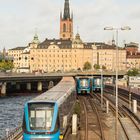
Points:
[(11, 112)]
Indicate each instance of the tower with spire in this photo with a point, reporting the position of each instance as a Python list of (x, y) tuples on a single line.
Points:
[(66, 23)]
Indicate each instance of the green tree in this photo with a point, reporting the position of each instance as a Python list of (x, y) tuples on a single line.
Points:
[(104, 67), (6, 65), (96, 66), (133, 72), (87, 66)]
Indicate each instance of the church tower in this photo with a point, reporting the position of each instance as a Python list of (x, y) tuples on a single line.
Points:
[(66, 23)]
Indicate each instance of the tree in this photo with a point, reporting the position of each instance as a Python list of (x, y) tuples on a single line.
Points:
[(87, 66), (6, 65), (96, 66), (104, 67), (133, 72)]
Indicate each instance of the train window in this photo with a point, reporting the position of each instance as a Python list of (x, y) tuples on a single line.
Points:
[(84, 82), (40, 116)]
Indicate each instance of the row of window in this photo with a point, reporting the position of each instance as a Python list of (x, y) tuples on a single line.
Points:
[(53, 50), (53, 55), (54, 66)]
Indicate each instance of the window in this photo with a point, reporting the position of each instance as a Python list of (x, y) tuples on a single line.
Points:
[(40, 116), (63, 35), (70, 27), (64, 27)]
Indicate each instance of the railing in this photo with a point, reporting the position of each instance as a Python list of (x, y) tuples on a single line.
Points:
[(14, 135), (134, 90)]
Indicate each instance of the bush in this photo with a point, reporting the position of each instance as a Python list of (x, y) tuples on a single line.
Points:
[(133, 72), (87, 66), (96, 66)]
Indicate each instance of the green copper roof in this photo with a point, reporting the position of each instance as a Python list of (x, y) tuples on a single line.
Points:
[(36, 40)]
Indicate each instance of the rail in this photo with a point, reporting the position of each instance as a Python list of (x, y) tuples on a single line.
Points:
[(94, 107), (14, 135), (86, 102), (129, 115)]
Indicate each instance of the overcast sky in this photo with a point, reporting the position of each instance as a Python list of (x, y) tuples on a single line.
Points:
[(19, 18)]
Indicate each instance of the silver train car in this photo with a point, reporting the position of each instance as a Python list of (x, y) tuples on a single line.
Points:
[(48, 115)]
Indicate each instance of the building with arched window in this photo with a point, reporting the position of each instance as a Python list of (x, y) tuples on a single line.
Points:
[(66, 23), (68, 53)]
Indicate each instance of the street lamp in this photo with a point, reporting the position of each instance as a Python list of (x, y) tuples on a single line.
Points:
[(117, 30), (101, 86)]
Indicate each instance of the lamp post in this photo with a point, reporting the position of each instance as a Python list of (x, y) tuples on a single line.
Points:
[(117, 31), (101, 86)]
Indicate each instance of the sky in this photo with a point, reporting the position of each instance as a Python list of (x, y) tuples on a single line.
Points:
[(20, 18)]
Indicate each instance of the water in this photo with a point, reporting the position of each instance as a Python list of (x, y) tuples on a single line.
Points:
[(11, 112)]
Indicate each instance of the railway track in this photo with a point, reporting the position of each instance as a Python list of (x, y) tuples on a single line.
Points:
[(15, 134), (126, 99), (127, 122), (92, 122), (125, 94)]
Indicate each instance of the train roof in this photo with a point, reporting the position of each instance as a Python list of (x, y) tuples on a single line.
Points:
[(58, 93), (83, 77)]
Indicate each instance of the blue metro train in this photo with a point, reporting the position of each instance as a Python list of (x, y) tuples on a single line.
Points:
[(88, 84), (47, 116), (83, 85), (97, 84)]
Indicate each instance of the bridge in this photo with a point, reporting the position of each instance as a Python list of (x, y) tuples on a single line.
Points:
[(12, 81)]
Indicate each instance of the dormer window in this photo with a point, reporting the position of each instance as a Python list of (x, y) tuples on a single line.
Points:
[(52, 43)]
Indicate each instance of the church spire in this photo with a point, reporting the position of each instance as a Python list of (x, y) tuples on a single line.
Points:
[(66, 14), (66, 23)]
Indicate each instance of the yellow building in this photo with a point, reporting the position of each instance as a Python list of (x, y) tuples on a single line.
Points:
[(133, 61), (21, 56), (71, 55), (133, 55), (60, 55), (16, 54), (106, 56)]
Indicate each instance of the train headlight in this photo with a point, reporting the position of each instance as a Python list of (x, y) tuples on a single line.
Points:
[(61, 137)]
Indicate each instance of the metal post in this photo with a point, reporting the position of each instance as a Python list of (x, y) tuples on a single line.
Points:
[(135, 106), (130, 98), (107, 106), (116, 132), (92, 84), (74, 124), (101, 86), (117, 30), (7, 132)]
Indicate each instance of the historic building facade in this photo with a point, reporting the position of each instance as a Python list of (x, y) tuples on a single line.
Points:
[(133, 55), (68, 53)]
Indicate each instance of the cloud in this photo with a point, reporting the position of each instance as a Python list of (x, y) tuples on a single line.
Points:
[(19, 18)]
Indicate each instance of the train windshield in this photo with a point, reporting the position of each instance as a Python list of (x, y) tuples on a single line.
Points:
[(84, 82), (40, 116), (98, 81)]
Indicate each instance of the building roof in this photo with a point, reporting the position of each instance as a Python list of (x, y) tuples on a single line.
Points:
[(18, 48), (132, 45), (133, 56), (67, 44), (106, 46), (66, 14), (63, 44), (36, 40)]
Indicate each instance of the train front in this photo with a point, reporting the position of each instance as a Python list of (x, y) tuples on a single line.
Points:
[(96, 84), (83, 85), (41, 121)]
